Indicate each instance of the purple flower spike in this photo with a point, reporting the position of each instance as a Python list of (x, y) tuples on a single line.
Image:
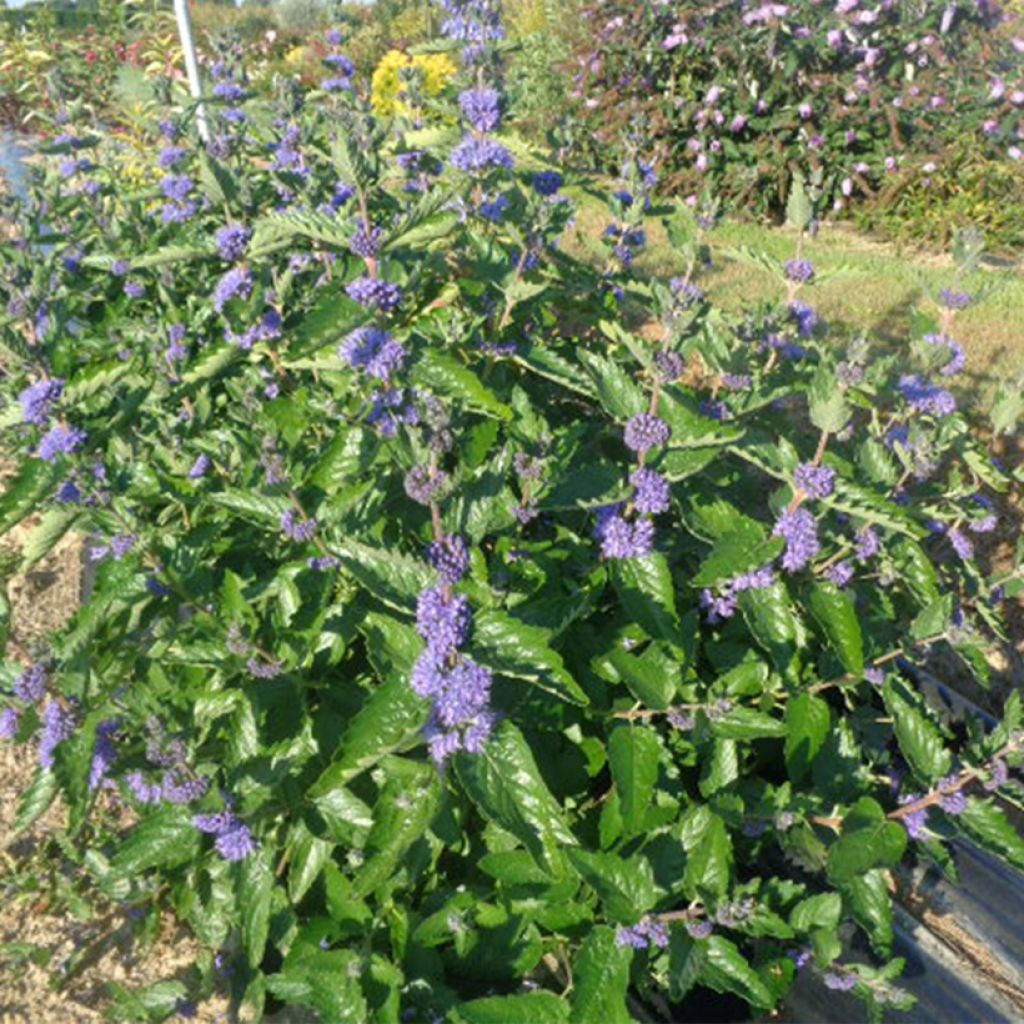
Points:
[(814, 481), (800, 531)]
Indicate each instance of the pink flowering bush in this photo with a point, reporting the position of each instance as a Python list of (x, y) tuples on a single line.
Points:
[(455, 651), (737, 97)]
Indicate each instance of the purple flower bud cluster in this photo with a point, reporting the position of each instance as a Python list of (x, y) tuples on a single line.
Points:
[(547, 183), (720, 602), (375, 294), (392, 409), (234, 841), (475, 155), (799, 271), (366, 240), (104, 753), (961, 543), (477, 23), (644, 432), (481, 108), (926, 398), (180, 207), (958, 360), (232, 241), (800, 531), (954, 300), (30, 685), (867, 544), (459, 688), (989, 521), (647, 933), (815, 481), (621, 538), (424, 484), (37, 400), (916, 822), (839, 982), (951, 795), (374, 351), (806, 318), (60, 440), (650, 491), (235, 284), (296, 529), (58, 725)]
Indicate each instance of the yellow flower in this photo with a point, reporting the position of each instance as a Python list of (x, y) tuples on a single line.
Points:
[(388, 91), (296, 55)]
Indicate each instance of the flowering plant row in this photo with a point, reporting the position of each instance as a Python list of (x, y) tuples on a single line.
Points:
[(862, 97), (454, 649)]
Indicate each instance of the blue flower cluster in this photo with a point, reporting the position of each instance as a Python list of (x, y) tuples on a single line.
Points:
[(459, 688)]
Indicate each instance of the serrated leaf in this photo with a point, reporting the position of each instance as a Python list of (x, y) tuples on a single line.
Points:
[(820, 911), (600, 980), (23, 495), (919, 739), (441, 372), (625, 887), (507, 787), (617, 392), (836, 617), (868, 899), (737, 553), (164, 838), (725, 969), (828, 407), (517, 649), (633, 753), (307, 855), (645, 587), (867, 841), (54, 523), (934, 620), (392, 577), (987, 824), (531, 1008), (402, 814), (262, 509), (709, 861), (808, 723), (748, 724), (391, 719), (36, 799), (255, 892)]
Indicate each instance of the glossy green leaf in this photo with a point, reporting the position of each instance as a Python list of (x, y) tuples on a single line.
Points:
[(624, 886), (633, 752), (836, 617), (808, 723), (600, 980)]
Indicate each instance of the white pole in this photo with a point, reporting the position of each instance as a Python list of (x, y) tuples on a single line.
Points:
[(191, 65)]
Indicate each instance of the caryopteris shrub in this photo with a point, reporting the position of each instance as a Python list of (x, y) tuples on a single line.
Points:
[(453, 650)]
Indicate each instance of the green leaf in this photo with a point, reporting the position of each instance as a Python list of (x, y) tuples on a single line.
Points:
[(920, 741), (506, 786), (868, 899), (829, 410), (625, 887), (725, 969), (24, 495), (216, 181), (709, 861), (868, 841), (262, 509), (391, 577), (644, 586), (531, 1008), (736, 553), (392, 719), (836, 617), (36, 799), (986, 823), (517, 649), (600, 980), (633, 752), (808, 723), (255, 893), (748, 724), (934, 620), (653, 677), (307, 855), (164, 838), (821, 911), (769, 614), (404, 810), (442, 373), (616, 390), (799, 209)]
